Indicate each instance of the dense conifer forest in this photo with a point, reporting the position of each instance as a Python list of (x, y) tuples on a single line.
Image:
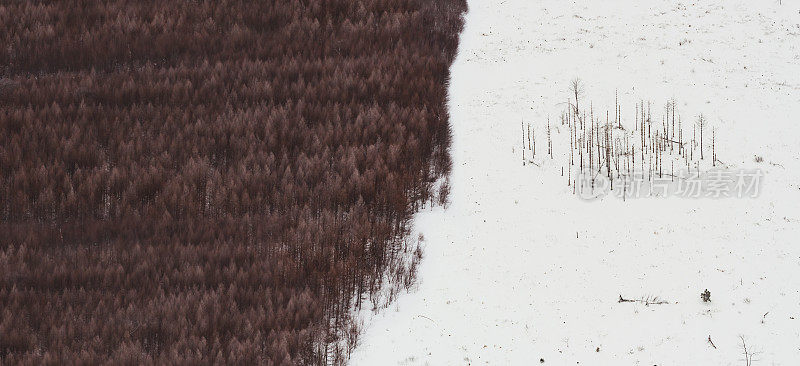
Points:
[(198, 182)]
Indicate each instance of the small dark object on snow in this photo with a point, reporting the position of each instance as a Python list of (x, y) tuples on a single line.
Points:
[(706, 295), (541, 360), (597, 350)]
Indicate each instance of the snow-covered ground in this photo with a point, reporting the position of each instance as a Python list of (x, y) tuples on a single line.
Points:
[(519, 269)]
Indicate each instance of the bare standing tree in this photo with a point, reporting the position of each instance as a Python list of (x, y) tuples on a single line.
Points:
[(549, 139), (713, 147), (576, 89), (701, 125), (523, 143), (749, 354)]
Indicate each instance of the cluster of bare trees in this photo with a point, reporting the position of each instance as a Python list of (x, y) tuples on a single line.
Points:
[(607, 145), (214, 182)]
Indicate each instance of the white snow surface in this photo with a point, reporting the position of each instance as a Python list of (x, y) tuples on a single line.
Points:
[(517, 269)]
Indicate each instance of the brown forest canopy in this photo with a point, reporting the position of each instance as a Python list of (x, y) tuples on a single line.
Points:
[(211, 181)]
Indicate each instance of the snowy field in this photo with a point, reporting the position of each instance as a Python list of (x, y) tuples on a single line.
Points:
[(518, 270)]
